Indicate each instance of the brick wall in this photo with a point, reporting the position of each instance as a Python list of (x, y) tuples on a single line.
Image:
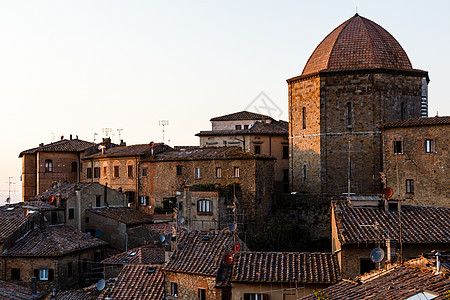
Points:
[(188, 285), (429, 171)]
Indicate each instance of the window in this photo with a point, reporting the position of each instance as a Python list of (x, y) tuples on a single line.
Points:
[(285, 175), (305, 172), (397, 145), (238, 127), (218, 172), (54, 217), (144, 200), (48, 165), (96, 172), (130, 171), (15, 274), (43, 274), (402, 111), (116, 172), (285, 152), (429, 146), (174, 289), (256, 297), (409, 186), (98, 201), (304, 117), (69, 270), (104, 172), (71, 213), (204, 206), (81, 167), (245, 126), (349, 114), (257, 149), (74, 166), (144, 172), (236, 172), (179, 170), (201, 294), (366, 265), (89, 173), (197, 173)]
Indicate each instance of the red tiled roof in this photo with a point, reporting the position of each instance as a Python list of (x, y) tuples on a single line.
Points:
[(124, 215), (55, 240), (420, 224), (198, 255), (75, 145), (419, 122), (84, 294), (64, 190), (133, 150), (135, 282), (207, 153), (285, 267), (148, 254), (358, 43), (399, 282), (11, 291), (161, 228), (242, 115), (259, 128)]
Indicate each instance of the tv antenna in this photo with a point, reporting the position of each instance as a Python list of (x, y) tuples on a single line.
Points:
[(107, 131), (53, 136), (8, 200), (163, 123), (95, 134), (119, 132)]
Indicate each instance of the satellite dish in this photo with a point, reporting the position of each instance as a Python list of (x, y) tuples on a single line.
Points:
[(8, 200), (231, 226), (169, 238), (228, 259), (51, 199), (101, 284), (181, 220), (98, 233), (99, 147), (236, 248), (162, 238), (387, 192), (377, 255)]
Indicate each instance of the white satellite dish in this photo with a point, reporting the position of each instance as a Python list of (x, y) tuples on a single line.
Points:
[(377, 255), (181, 220), (162, 238), (101, 284)]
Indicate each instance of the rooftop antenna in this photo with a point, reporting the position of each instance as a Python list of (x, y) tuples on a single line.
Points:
[(95, 134), (356, 9), (163, 123), (53, 136), (119, 132), (107, 131), (8, 200)]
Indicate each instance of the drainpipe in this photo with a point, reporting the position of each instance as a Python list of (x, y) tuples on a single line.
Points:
[(78, 208)]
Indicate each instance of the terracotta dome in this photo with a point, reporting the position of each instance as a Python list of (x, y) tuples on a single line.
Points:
[(358, 43)]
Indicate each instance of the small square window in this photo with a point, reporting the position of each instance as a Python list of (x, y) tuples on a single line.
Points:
[(257, 149), (409, 186), (236, 172), (97, 172), (89, 173), (218, 172), (238, 127), (43, 274), (15, 274), (71, 213), (179, 170), (144, 172), (245, 126), (398, 147)]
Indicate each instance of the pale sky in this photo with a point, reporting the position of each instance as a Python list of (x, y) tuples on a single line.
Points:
[(75, 67)]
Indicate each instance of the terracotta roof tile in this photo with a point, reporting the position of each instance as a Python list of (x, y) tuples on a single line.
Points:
[(399, 282), (259, 128), (206, 153), (420, 224), (199, 255), (358, 43), (90, 293), (242, 115), (75, 145), (419, 122), (11, 291), (160, 228), (64, 190), (124, 215), (133, 150), (136, 282), (148, 254), (285, 267), (53, 240)]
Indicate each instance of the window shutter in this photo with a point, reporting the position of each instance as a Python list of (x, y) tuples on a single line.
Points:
[(36, 273), (246, 296), (147, 200), (50, 275)]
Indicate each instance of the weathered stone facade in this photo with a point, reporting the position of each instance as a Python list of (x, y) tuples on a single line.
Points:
[(334, 118), (189, 285), (422, 163)]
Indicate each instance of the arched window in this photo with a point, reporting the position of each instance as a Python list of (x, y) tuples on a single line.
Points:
[(48, 165), (349, 114), (304, 117), (204, 206)]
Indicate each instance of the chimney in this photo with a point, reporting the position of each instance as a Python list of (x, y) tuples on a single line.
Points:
[(62, 137), (41, 145), (438, 264), (34, 286), (391, 247), (70, 136)]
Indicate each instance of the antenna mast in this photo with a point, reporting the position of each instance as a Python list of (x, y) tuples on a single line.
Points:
[(163, 123), (106, 131), (119, 131), (9, 189)]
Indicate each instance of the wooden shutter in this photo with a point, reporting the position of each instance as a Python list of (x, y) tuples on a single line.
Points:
[(50, 274), (36, 273)]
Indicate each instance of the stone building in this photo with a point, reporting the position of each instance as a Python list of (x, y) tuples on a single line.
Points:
[(52, 163), (416, 152), (254, 133), (74, 198), (282, 275), (196, 269), (356, 79), (119, 168), (111, 224), (357, 229), (169, 172), (59, 256)]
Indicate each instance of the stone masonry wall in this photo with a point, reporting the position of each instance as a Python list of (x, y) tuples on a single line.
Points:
[(188, 285)]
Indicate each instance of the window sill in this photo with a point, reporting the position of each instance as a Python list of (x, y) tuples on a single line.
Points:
[(204, 213)]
